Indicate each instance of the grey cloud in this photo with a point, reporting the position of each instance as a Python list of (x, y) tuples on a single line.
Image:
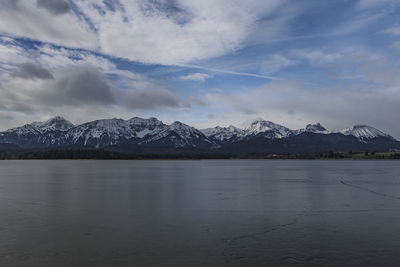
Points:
[(198, 101), (11, 101), (149, 99), (83, 91), (30, 70), (80, 85), (211, 116), (5, 116), (248, 111), (83, 87), (56, 7), (9, 3)]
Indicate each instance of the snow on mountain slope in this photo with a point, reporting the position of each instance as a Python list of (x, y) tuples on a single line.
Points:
[(312, 128), (179, 135), (364, 132), (58, 132), (102, 133), (271, 129), (139, 124), (54, 124), (99, 133), (224, 133), (24, 130), (38, 134), (268, 129)]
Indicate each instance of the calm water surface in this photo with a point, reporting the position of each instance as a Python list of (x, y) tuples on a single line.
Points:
[(200, 213)]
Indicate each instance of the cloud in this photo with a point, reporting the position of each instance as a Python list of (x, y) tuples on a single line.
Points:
[(82, 85), (276, 63), (198, 101), (11, 54), (321, 57), (26, 19), (149, 99), (158, 31), (57, 7), (29, 70), (365, 4), (74, 79), (211, 116), (237, 73), (337, 109), (9, 3), (396, 45), (174, 32), (71, 87), (5, 116), (82, 92), (393, 30), (200, 77)]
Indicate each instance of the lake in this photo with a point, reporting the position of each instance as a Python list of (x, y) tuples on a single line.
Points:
[(200, 213)]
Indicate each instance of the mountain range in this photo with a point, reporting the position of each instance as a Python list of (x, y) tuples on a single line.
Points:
[(138, 135)]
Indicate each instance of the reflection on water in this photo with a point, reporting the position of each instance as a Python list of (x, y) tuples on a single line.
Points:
[(199, 213)]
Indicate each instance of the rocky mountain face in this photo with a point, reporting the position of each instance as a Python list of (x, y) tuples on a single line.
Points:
[(259, 136)]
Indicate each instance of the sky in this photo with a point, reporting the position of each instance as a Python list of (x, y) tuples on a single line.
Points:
[(204, 63)]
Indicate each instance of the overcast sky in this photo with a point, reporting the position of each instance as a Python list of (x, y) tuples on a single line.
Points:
[(205, 63)]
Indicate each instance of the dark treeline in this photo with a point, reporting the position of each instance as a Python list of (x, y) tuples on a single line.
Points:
[(104, 154), (112, 155), (329, 155)]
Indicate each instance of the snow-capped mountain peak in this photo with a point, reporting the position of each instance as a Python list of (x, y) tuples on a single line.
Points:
[(261, 126), (144, 122), (145, 126), (59, 132), (179, 128), (315, 128), (100, 132), (177, 125), (224, 133), (179, 135), (52, 124), (364, 132)]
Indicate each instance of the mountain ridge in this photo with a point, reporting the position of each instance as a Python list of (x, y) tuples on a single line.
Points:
[(152, 133)]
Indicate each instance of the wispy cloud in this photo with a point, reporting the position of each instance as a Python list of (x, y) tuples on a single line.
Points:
[(26, 19), (233, 72), (393, 30), (365, 4), (396, 45), (200, 77)]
